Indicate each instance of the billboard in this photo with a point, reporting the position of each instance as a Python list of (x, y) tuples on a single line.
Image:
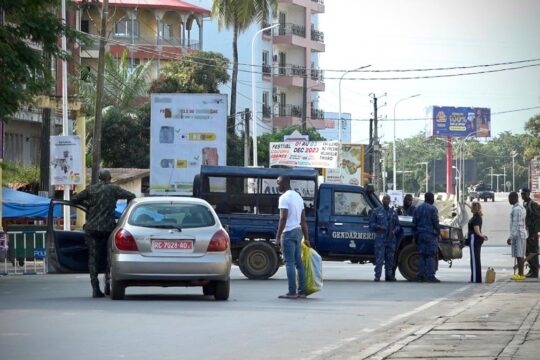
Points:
[(66, 160), (315, 154), (351, 167), (186, 131), (459, 122)]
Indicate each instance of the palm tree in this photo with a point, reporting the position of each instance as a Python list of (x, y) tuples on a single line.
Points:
[(239, 15)]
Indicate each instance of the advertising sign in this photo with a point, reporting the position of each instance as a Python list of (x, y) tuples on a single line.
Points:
[(535, 177), (66, 160), (460, 122), (351, 166), (396, 198), (314, 154), (186, 131)]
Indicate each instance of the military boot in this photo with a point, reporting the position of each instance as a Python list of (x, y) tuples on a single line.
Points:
[(96, 292)]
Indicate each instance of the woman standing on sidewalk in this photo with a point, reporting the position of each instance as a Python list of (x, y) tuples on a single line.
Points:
[(476, 238)]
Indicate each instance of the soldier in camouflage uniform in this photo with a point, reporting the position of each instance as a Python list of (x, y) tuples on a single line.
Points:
[(100, 200), (532, 222)]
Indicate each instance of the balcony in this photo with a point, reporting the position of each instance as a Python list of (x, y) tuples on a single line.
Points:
[(266, 70), (291, 70), (317, 75), (317, 35), (317, 114), (291, 29), (318, 1), (290, 110)]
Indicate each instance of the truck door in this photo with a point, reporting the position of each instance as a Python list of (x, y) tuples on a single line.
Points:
[(343, 227)]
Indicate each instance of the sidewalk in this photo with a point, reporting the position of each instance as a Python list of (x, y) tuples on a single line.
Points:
[(499, 321)]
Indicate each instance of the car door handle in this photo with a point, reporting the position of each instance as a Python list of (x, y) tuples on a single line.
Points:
[(338, 224)]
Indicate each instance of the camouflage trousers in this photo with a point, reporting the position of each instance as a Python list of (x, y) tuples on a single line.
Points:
[(532, 248), (98, 255)]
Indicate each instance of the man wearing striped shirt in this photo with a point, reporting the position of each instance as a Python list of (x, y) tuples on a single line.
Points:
[(518, 234)]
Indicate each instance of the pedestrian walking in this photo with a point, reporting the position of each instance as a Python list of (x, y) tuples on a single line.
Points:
[(292, 225), (100, 200), (476, 238), (385, 223), (518, 234), (532, 222), (426, 230), (408, 208)]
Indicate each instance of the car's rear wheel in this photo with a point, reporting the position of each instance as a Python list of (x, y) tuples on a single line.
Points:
[(222, 289), (485, 199), (493, 199), (258, 260), (209, 290), (408, 262), (118, 288)]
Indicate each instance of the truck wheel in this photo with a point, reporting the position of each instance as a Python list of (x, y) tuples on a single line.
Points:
[(485, 199), (408, 262), (493, 199), (221, 290), (258, 260)]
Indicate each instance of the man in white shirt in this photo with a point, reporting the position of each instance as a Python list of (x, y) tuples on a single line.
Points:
[(518, 234), (292, 225)]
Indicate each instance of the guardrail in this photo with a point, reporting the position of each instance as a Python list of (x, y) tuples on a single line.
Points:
[(25, 246)]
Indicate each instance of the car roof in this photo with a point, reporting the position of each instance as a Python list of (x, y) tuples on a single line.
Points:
[(158, 199)]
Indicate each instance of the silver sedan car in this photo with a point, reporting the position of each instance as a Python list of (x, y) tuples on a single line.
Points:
[(170, 241)]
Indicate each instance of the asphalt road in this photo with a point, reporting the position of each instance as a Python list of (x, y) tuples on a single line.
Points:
[(53, 316)]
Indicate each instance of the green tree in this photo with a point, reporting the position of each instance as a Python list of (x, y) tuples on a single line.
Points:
[(29, 29), (199, 72), (123, 90), (532, 147), (238, 15), (263, 142)]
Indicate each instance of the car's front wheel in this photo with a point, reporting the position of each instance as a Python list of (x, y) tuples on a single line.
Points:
[(408, 262), (222, 289)]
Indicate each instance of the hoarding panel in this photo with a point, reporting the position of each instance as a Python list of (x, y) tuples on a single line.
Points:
[(66, 160), (460, 122), (186, 131), (351, 166)]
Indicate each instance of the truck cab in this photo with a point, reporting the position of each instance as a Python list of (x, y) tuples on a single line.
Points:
[(246, 200)]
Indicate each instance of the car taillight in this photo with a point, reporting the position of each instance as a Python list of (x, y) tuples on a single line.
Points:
[(125, 241), (219, 242)]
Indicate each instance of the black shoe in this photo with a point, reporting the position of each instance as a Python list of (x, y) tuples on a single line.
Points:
[(107, 290), (433, 280), (420, 279), (377, 279), (96, 293), (390, 279), (531, 275)]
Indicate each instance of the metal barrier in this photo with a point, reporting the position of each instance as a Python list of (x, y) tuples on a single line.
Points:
[(32, 249)]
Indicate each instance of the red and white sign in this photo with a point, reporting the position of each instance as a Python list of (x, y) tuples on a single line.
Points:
[(313, 154)]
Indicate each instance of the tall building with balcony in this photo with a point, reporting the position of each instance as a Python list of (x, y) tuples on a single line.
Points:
[(149, 30)]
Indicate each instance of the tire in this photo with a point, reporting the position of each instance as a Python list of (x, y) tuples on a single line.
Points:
[(493, 199), (221, 290), (485, 199), (408, 262), (209, 290), (258, 260), (118, 288)]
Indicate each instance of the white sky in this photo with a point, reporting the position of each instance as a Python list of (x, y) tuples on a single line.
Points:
[(405, 34)]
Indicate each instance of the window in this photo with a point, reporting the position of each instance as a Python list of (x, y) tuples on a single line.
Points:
[(349, 203), (166, 31), (173, 213), (85, 26), (266, 69), (124, 29)]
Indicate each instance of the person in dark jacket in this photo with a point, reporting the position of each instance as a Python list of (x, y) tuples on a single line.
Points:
[(385, 223), (426, 230), (100, 200), (532, 222), (476, 238), (408, 208)]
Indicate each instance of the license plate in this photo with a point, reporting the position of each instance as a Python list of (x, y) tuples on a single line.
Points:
[(172, 244)]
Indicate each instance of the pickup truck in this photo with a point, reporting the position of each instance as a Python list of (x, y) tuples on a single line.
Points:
[(246, 201), (481, 191)]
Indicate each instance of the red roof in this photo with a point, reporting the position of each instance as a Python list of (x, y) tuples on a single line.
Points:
[(156, 4)]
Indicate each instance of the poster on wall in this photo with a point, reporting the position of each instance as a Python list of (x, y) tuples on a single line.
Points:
[(315, 154), (186, 131), (459, 122), (351, 166), (66, 160)]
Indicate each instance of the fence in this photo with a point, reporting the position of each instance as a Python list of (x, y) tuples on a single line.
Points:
[(23, 246)]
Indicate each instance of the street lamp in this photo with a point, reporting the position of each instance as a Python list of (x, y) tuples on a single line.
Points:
[(253, 94), (427, 176), (339, 97), (394, 143), (514, 154), (458, 183)]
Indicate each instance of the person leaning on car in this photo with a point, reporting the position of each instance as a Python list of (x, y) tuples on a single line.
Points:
[(532, 222), (100, 200)]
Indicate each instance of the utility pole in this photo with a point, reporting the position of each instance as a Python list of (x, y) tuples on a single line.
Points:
[(247, 117), (304, 105), (99, 94), (376, 146)]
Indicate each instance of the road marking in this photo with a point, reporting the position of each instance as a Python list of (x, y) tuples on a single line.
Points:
[(333, 347)]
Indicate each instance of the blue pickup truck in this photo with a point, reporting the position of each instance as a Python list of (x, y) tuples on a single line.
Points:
[(246, 200)]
